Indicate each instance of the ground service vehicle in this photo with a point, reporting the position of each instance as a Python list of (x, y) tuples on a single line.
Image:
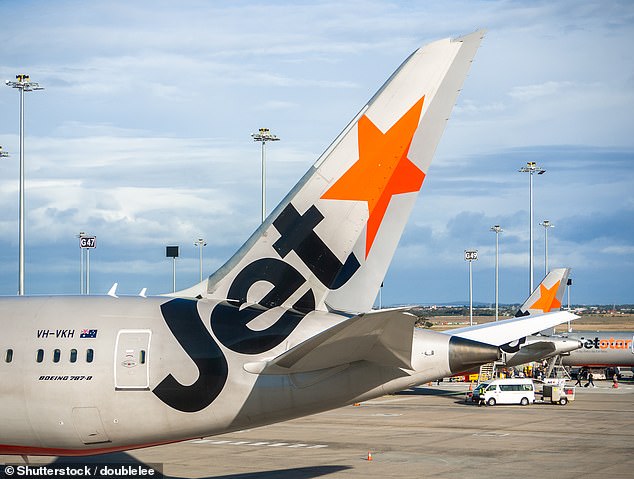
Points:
[(505, 391)]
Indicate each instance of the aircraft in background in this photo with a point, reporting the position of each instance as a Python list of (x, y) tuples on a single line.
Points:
[(595, 349), (601, 349), (276, 333), (545, 298)]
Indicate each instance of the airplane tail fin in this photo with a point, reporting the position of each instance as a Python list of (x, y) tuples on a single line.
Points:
[(548, 294), (328, 244)]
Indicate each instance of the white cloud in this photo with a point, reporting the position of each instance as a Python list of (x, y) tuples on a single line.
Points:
[(622, 250), (533, 92)]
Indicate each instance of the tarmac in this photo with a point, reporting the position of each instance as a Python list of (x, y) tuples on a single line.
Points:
[(427, 432)]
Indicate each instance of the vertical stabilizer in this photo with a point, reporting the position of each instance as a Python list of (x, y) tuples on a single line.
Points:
[(548, 295), (328, 244)]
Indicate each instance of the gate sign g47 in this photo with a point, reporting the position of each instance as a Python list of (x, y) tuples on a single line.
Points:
[(88, 242)]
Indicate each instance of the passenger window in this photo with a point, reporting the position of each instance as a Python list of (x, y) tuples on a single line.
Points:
[(56, 355), (142, 357), (9, 356), (73, 355), (40, 355), (90, 354)]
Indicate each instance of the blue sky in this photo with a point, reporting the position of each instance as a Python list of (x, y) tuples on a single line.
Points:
[(142, 136)]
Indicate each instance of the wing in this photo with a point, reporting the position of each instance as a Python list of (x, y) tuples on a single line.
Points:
[(502, 332)]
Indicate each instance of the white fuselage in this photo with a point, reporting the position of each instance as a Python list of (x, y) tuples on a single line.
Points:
[(159, 373)]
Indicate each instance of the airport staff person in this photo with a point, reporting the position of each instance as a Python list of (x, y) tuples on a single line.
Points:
[(580, 376)]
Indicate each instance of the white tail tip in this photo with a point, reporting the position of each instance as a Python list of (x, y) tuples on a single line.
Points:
[(113, 290)]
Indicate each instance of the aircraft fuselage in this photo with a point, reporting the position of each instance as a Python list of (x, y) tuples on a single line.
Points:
[(602, 348), (93, 374)]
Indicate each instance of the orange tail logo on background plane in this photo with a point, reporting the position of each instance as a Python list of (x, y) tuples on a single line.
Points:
[(547, 296)]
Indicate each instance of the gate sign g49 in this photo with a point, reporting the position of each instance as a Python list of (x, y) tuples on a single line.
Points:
[(471, 255)]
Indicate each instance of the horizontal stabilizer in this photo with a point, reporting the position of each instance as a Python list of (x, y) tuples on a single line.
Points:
[(383, 337), (502, 332)]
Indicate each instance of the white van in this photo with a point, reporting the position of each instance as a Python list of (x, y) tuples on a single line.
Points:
[(505, 391)]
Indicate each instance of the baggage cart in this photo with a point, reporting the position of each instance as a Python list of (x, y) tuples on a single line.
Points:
[(558, 394)]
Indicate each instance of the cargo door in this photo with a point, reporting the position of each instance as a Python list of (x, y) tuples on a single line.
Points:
[(132, 360)]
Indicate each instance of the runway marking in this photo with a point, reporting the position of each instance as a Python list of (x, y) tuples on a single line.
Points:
[(390, 401), (491, 434), (213, 442)]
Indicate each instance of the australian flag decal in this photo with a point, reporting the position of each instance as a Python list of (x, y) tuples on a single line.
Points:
[(88, 333)]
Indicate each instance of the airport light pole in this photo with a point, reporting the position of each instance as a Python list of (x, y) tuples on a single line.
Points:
[(569, 284), (23, 83), (471, 256), (263, 135), (546, 224), (87, 271), (497, 230), (81, 263), (172, 252), (531, 168), (200, 243), (87, 242)]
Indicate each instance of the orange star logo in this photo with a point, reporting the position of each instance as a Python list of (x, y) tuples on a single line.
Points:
[(382, 170), (547, 299)]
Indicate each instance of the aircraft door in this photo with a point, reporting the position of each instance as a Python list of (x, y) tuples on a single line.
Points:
[(132, 360)]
